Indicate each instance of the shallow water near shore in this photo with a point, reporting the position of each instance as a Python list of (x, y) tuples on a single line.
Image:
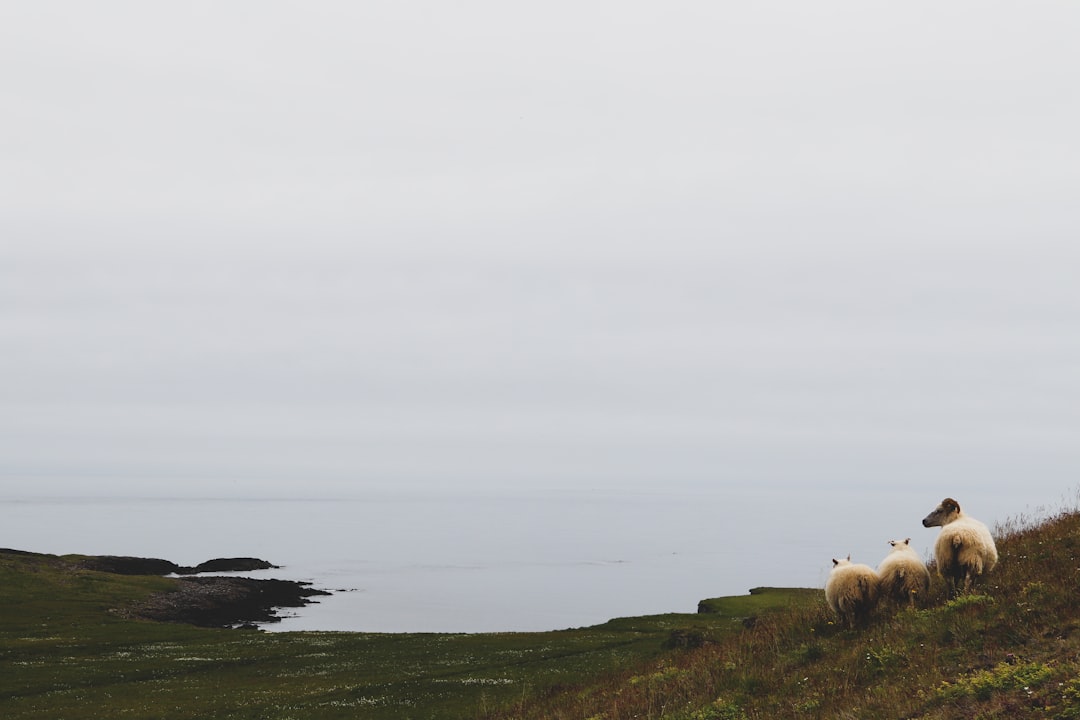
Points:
[(408, 561)]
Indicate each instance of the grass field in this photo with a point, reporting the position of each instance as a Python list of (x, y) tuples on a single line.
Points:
[(65, 654)]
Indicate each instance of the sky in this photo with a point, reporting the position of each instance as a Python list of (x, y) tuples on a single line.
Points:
[(327, 246)]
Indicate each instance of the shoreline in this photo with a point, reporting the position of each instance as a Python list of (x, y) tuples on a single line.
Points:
[(224, 602), (205, 601)]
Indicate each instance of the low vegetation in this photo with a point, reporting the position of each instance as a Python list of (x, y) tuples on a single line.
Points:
[(1008, 649)]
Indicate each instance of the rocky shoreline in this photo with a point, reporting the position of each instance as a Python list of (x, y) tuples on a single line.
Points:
[(215, 601), (224, 601)]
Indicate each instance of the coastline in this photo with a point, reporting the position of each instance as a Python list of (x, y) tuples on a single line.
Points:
[(218, 601), (206, 600)]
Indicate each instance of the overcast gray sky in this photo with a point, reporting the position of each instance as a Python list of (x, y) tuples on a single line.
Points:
[(502, 243)]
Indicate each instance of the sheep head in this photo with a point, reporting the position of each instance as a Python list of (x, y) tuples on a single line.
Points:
[(943, 514)]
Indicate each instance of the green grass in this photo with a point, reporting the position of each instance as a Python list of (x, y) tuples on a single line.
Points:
[(760, 600), (65, 654)]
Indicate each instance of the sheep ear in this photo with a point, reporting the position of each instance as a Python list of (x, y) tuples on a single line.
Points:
[(908, 541), (835, 562), (849, 557), (893, 543)]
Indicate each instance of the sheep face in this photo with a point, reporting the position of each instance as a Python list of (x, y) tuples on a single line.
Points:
[(902, 545), (943, 514), (964, 550)]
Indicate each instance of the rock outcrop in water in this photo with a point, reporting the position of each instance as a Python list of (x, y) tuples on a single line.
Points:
[(229, 565)]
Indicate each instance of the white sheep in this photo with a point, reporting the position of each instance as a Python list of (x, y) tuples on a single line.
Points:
[(903, 574), (851, 591), (964, 549)]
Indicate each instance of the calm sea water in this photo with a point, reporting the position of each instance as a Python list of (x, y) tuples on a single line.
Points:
[(481, 561)]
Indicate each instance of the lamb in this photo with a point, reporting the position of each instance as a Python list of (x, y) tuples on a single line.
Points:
[(964, 550), (851, 591), (903, 574)]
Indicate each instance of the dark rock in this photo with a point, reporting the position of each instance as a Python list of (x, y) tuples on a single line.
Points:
[(224, 601), (125, 565), (230, 565)]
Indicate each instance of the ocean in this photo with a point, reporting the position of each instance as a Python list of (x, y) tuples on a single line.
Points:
[(483, 561)]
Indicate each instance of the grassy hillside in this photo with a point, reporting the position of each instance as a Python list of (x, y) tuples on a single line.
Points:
[(1010, 649), (66, 653)]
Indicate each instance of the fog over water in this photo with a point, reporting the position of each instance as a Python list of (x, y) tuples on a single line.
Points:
[(645, 301)]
